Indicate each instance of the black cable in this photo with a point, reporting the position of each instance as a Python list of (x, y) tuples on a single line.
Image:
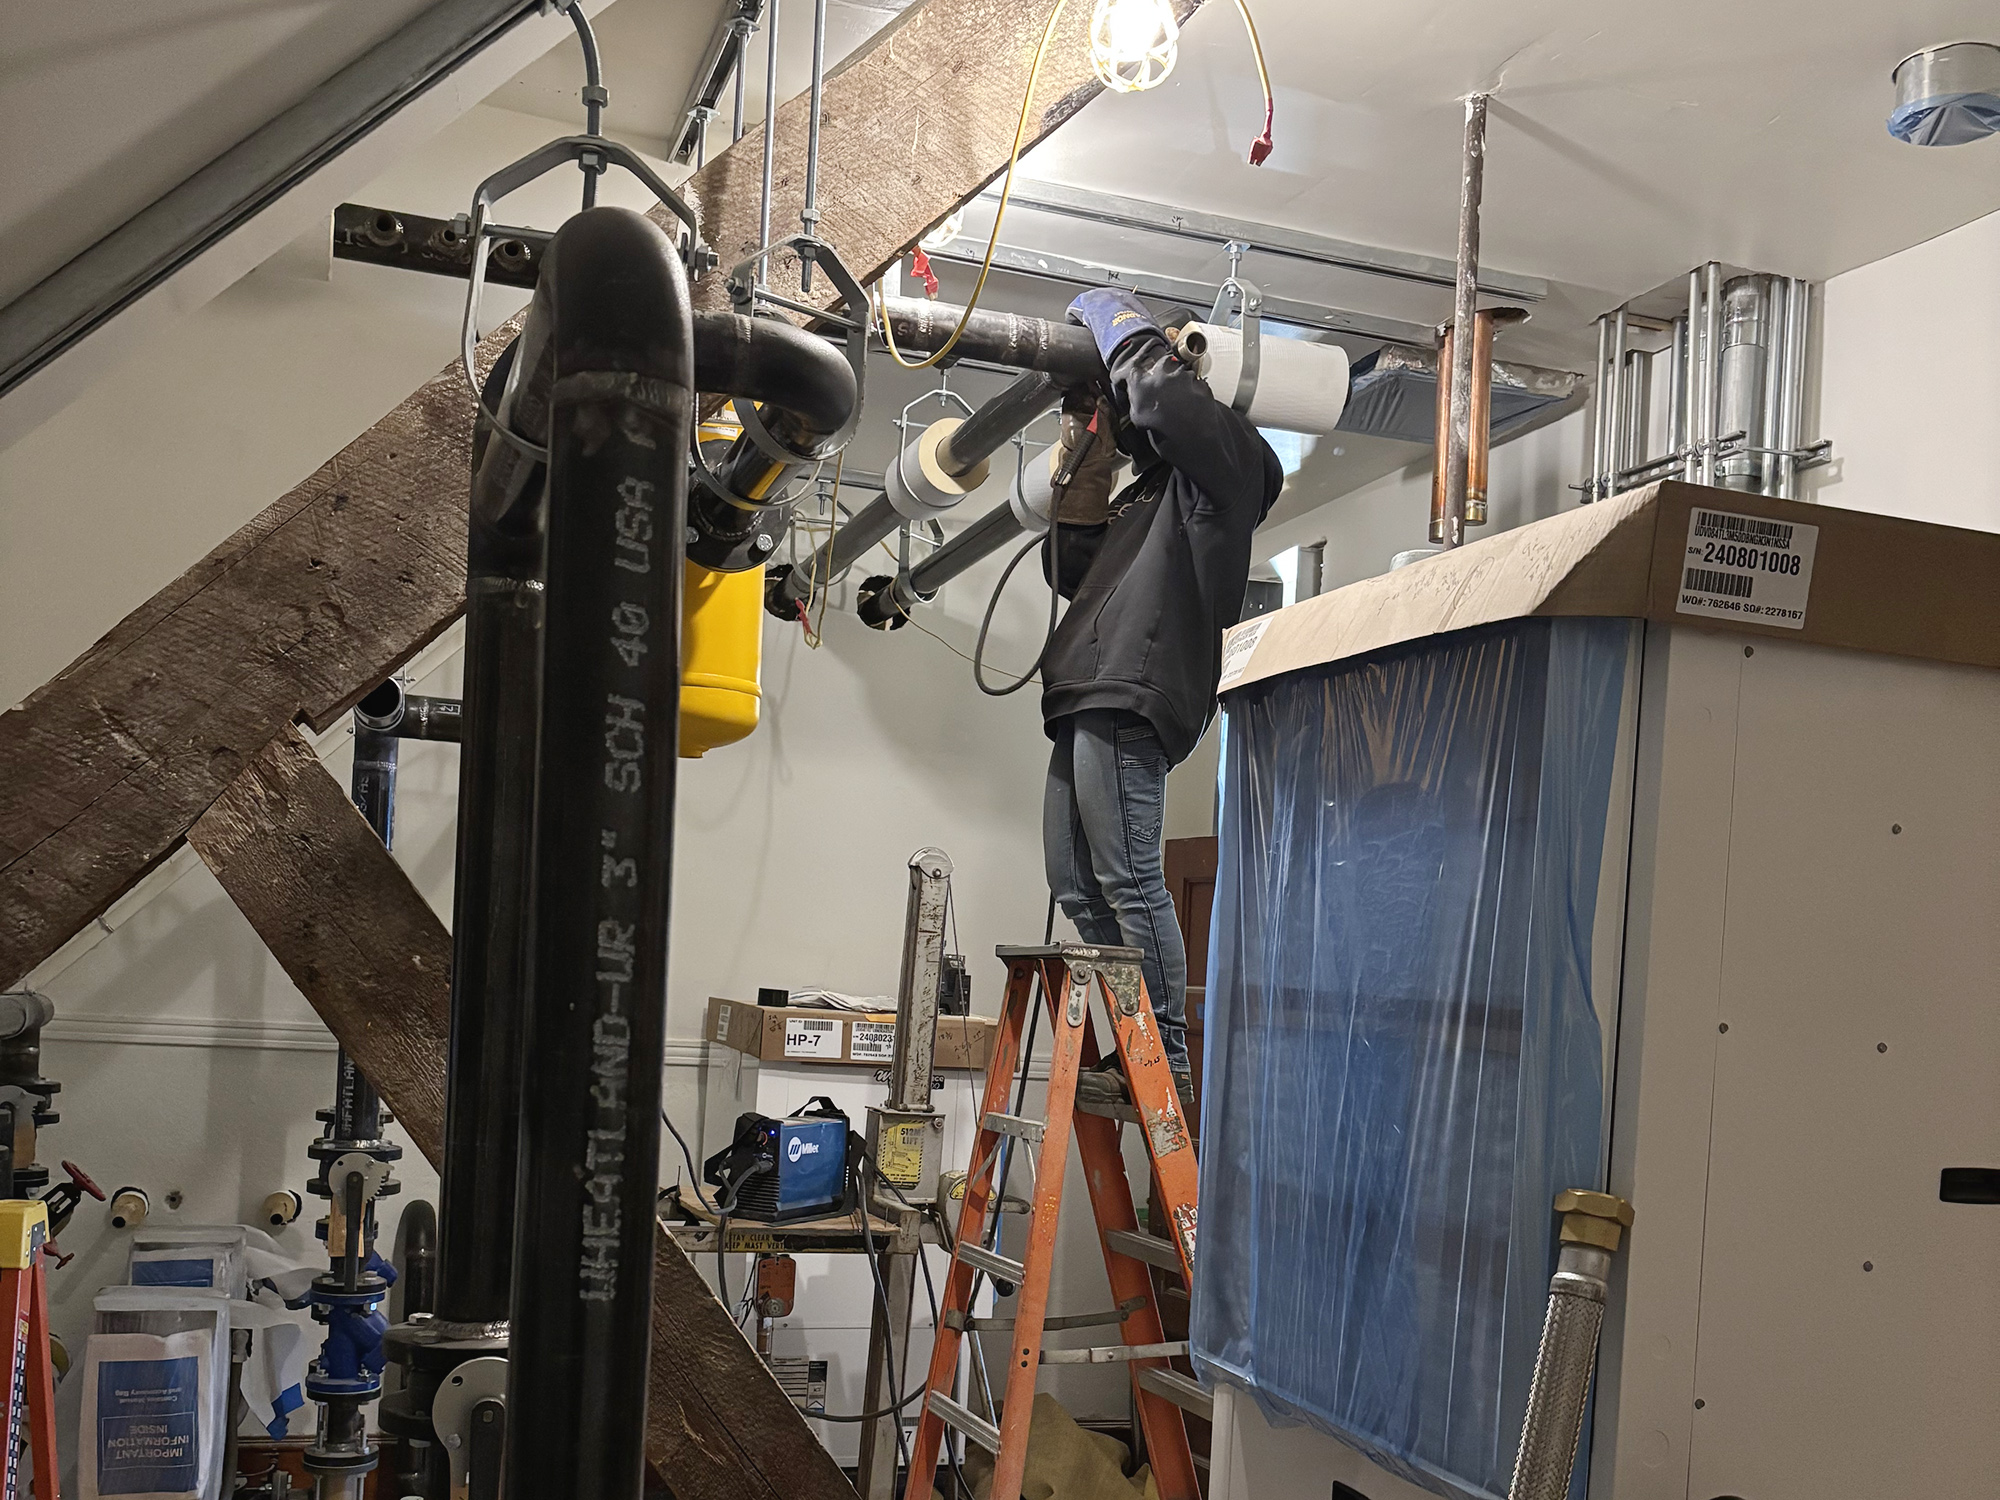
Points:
[(930, 1295), (888, 1326), (986, 621)]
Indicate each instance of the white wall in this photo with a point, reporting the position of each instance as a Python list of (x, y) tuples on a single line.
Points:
[(1910, 383), (188, 1059)]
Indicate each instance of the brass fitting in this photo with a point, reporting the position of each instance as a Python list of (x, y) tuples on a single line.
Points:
[(1592, 1218)]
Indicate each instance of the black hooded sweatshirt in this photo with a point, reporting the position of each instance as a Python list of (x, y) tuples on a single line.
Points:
[(1153, 589)]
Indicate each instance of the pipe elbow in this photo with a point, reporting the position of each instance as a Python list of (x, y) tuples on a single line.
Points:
[(774, 364)]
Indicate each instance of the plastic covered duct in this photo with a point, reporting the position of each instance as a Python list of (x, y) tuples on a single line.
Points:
[(1409, 1019)]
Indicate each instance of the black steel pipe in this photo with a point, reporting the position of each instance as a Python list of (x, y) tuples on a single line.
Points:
[(806, 393), (1064, 350), (416, 1258), (987, 430), (388, 710), (622, 415), (496, 799)]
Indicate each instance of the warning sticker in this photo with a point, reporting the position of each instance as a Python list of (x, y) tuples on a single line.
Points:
[(899, 1156), (805, 1037), (1237, 649), (874, 1041), (1747, 568)]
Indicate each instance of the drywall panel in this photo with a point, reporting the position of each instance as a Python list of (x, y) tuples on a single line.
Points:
[(1847, 1315), (1910, 380)]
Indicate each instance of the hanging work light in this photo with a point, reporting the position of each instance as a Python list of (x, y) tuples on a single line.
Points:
[(944, 234), (1133, 43)]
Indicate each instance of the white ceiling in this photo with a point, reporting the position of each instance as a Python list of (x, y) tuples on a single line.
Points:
[(105, 105), (651, 49), (1629, 141)]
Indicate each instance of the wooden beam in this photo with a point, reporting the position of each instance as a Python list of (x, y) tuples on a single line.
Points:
[(319, 598), (914, 126), (365, 949)]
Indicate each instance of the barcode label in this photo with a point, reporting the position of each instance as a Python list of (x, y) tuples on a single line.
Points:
[(805, 1037), (1729, 585), (1747, 568), (1238, 646), (874, 1041), (1721, 526)]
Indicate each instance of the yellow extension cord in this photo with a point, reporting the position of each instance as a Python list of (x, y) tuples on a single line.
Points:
[(1007, 187)]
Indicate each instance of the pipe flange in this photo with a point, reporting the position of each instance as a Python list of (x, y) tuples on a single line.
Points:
[(726, 538), (918, 486), (451, 1409)]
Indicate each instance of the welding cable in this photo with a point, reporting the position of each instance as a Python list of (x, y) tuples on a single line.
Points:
[(882, 1305), (1260, 149)]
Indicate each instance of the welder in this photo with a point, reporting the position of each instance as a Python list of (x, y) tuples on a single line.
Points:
[(1154, 575)]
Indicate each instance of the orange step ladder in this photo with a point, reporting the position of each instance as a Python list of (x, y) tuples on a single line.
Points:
[(29, 1377), (1066, 975)]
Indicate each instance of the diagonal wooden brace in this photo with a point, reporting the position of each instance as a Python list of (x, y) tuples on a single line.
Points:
[(346, 924)]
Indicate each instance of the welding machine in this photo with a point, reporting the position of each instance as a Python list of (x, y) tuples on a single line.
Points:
[(775, 1171)]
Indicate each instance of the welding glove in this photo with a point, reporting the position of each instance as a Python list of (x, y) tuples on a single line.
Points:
[(1112, 315), (1086, 453)]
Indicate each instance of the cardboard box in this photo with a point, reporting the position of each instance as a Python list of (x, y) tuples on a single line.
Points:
[(796, 1034)]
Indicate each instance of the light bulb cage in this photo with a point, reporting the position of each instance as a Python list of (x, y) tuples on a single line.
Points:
[(1118, 65)]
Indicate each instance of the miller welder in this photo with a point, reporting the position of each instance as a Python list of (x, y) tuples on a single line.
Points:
[(775, 1171)]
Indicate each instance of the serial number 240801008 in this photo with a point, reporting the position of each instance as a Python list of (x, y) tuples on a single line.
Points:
[(1757, 559)]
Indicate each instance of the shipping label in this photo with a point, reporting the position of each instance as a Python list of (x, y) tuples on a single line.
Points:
[(1747, 568), (808, 1037)]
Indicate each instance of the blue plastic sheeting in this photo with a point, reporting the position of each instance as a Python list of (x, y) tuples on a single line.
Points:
[(1947, 119), (1405, 1058)]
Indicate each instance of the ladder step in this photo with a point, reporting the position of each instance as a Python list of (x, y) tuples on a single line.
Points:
[(953, 1318), (993, 1264), (1171, 1385), (952, 1414), (1144, 1247), (1109, 1109), (1114, 1354), (1022, 1130)]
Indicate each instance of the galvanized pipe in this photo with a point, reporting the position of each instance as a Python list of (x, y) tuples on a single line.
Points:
[(1691, 382), (744, 31), (1600, 427), (1471, 186), (1677, 406), (1746, 329), (1770, 426), (1621, 333), (1711, 360), (770, 138), (809, 215), (1791, 419)]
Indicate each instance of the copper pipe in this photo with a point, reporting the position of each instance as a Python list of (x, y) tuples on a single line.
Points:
[(1480, 446), (1441, 448)]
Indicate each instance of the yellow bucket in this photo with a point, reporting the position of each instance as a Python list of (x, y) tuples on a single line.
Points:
[(722, 641)]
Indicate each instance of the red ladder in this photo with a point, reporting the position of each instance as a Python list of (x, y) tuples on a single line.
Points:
[(29, 1378), (1068, 973)]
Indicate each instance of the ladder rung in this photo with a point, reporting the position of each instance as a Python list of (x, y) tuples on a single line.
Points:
[(1171, 1385), (1110, 1109), (1144, 1247), (993, 1264), (958, 1320), (952, 1414), (1022, 1130), (1114, 1354)]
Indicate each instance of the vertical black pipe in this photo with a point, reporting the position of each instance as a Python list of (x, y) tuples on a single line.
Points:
[(496, 800), (620, 425)]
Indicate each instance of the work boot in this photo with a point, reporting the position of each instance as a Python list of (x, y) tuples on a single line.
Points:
[(1104, 1084)]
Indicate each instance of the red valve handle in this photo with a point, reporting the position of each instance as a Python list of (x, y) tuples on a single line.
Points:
[(82, 1179)]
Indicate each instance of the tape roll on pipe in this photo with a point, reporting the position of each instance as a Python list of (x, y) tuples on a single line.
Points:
[(1301, 387), (918, 485)]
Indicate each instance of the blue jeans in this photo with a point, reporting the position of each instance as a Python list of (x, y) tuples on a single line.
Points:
[(1101, 824)]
